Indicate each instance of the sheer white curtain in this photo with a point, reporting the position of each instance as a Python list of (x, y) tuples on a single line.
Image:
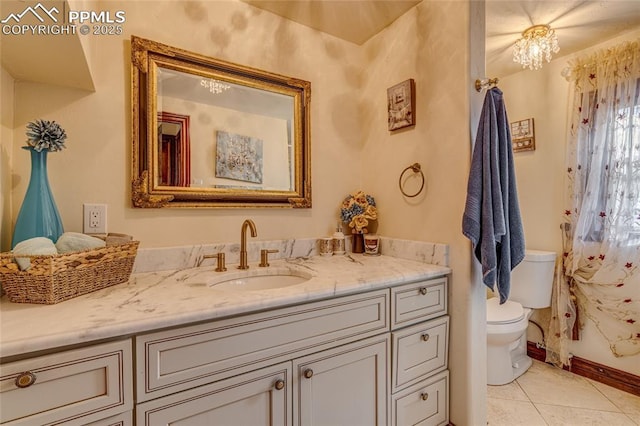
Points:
[(600, 274)]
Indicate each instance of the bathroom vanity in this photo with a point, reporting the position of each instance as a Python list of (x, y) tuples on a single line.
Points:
[(362, 340)]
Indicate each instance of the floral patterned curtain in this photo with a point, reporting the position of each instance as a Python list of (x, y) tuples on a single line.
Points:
[(598, 279)]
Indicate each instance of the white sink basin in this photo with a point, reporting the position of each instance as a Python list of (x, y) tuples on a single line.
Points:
[(259, 279)]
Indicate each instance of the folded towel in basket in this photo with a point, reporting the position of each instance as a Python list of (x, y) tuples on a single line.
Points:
[(32, 247), (75, 241), (114, 238)]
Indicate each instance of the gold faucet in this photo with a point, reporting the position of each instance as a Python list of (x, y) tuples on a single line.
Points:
[(243, 242)]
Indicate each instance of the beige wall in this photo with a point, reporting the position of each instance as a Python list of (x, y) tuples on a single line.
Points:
[(6, 142), (351, 146), (418, 46), (95, 166), (544, 95)]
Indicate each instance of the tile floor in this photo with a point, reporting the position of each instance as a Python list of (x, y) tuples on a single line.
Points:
[(549, 396)]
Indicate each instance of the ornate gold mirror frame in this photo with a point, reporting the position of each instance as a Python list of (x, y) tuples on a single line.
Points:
[(242, 138)]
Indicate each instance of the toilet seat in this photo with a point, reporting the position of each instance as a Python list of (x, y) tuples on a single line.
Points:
[(507, 313)]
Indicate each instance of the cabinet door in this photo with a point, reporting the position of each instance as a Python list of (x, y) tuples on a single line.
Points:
[(345, 386), (74, 387), (261, 397)]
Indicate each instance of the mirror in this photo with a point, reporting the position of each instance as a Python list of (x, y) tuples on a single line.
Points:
[(209, 133)]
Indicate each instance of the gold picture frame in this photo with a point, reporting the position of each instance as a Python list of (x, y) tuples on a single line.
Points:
[(401, 105), (161, 73), (523, 135)]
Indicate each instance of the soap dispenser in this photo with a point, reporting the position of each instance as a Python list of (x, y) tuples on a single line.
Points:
[(338, 241)]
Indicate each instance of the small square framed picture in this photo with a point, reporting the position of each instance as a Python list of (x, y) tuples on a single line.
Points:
[(401, 105), (523, 135)]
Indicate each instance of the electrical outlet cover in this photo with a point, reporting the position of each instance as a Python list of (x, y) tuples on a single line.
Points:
[(95, 219)]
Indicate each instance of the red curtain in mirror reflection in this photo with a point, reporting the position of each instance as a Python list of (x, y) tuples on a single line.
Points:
[(174, 149)]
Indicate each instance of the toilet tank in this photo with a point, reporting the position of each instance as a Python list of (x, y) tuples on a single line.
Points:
[(532, 279)]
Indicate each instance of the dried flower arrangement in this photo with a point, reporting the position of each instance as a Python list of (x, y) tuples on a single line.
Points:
[(357, 210)]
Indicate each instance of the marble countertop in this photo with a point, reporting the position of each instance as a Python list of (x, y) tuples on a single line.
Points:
[(156, 300)]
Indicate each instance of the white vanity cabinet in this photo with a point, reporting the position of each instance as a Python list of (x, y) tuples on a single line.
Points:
[(346, 385), (376, 358), (182, 374), (174, 360), (91, 385)]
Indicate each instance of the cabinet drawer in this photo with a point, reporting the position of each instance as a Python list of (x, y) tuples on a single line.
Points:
[(424, 404), (419, 301), (419, 351), (73, 387), (256, 398), (179, 359)]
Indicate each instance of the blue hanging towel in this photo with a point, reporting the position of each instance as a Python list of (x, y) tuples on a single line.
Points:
[(492, 216)]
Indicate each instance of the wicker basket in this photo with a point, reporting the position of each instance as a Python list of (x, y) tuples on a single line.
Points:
[(54, 278)]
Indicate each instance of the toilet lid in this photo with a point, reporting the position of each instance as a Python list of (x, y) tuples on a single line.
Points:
[(506, 313)]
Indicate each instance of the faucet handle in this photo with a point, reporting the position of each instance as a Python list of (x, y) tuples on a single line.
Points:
[(221, 267), (264, 257)]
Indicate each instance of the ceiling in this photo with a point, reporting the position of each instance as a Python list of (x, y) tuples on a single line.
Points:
[(59, 59), (352, 20), (578, 24)]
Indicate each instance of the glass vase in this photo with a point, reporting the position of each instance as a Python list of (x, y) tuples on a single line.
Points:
[(39, 216)]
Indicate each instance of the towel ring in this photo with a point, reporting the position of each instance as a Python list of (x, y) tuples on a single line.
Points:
[(416, 168)]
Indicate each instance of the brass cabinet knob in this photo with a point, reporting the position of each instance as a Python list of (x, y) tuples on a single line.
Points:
[(425, 337), (26, 379), (308, 373), (423, 290), (424, 396), (279, 384)]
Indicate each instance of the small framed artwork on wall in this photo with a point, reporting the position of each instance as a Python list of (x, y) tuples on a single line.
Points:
[(401, 105), (523, 135)]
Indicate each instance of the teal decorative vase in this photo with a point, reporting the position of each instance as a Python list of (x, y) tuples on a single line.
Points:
[(38, 215)]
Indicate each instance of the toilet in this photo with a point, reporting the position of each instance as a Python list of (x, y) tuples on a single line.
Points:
[(531, 285)]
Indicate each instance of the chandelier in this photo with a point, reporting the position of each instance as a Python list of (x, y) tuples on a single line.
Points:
[(214, 86), (537, 43)]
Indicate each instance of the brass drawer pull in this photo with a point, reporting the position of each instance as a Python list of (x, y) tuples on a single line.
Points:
[(423, 290), (308, 373), (424, 396), (279, 384), (425, 337), (26, 379)]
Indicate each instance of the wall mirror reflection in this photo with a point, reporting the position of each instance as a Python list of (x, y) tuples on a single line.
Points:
[(209, 133)]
